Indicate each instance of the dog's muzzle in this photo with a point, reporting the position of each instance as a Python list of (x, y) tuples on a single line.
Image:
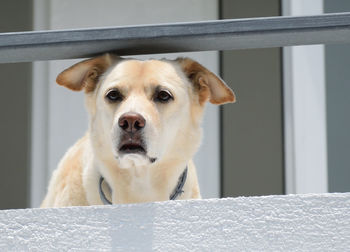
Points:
[(131, 125)]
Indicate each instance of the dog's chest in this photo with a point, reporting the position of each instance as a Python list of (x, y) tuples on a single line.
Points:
[(142, 186)]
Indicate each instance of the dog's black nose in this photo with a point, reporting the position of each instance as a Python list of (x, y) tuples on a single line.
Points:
[(131, 122)]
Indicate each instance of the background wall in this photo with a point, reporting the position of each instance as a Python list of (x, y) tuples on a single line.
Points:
[(252, 136), (252, 151), (15, 110), (338, 104)]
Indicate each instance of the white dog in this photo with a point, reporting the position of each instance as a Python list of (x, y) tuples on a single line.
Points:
[(144, 129)]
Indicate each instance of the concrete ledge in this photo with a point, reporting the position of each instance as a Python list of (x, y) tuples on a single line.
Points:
[(273, 223)]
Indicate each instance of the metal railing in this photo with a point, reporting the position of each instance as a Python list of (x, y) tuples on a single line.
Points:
[(178, 37)]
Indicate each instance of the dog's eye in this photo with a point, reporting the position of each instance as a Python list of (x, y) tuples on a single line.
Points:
[(163, 96), (114, 95)]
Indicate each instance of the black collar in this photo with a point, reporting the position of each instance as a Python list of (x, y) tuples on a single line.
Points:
[(177, 190), (180, 185)]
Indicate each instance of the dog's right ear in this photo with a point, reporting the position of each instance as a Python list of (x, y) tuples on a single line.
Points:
[(85, 74)]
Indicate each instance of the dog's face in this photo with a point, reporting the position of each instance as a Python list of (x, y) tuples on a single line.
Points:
[(144, 112), (143, 105)]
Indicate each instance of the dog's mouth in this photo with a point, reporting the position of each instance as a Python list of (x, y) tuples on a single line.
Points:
[(133, 144), (132, 147)]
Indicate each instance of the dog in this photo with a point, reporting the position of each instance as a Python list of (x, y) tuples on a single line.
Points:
[(144, 128)]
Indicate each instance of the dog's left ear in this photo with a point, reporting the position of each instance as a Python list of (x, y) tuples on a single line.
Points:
[(85, 74), (208, 85)]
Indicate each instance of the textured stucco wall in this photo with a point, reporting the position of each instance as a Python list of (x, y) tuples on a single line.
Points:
[(272, 223)]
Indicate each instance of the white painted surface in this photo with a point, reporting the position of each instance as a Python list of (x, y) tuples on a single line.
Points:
[(65, 119), (305, 109), (272, 223)]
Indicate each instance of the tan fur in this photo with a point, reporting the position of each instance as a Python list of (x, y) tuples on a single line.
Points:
[(66, 183), (172, 132)]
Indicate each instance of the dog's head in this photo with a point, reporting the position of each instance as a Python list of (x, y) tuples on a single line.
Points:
[(142, 112)]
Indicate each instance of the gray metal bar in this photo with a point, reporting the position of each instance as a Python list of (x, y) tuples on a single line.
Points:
[(177, 37)]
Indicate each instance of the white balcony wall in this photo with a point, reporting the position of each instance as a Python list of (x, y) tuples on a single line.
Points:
[(272, 223)]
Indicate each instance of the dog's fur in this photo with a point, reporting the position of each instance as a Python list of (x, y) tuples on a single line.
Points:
[(170, 135)]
